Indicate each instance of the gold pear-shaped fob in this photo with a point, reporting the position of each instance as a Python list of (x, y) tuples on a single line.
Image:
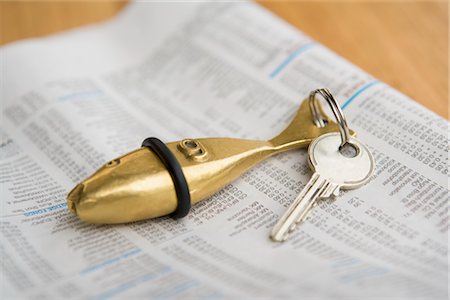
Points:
[(161, 179)]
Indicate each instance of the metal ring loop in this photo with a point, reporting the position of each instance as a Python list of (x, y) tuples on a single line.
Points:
[(320, 121)]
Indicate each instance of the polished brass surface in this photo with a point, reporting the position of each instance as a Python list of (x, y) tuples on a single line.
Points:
[(137, 186)]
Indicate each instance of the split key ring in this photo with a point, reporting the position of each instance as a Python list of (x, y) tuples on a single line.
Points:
[(320, 121)]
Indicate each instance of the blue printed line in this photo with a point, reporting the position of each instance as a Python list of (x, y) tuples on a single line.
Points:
[(363, 274), (45, 210), (214, 295), (345, 262), (110, 261), (291, 57), (177, 290), (356, 94), (81, 94), (130, 284)]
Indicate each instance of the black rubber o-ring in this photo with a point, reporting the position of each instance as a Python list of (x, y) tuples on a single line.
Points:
[(175, 171)]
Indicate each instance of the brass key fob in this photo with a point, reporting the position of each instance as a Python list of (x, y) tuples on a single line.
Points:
[(141, 184)]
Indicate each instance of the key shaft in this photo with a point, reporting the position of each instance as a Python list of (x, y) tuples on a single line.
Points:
[(333, 171)]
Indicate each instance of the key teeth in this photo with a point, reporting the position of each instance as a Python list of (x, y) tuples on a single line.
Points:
[(327, 192), (332, 190), (292, 227), (336, 191), (300, 220)]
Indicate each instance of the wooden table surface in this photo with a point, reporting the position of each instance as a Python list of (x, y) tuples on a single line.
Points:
[(405, 44)]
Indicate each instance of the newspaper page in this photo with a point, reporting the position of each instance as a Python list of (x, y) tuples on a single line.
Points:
[(73, 101)]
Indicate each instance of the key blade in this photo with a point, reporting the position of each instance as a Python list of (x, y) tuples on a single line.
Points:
[(299, 208)]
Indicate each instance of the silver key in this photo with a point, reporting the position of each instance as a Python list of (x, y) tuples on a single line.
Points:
[(333, 171)]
